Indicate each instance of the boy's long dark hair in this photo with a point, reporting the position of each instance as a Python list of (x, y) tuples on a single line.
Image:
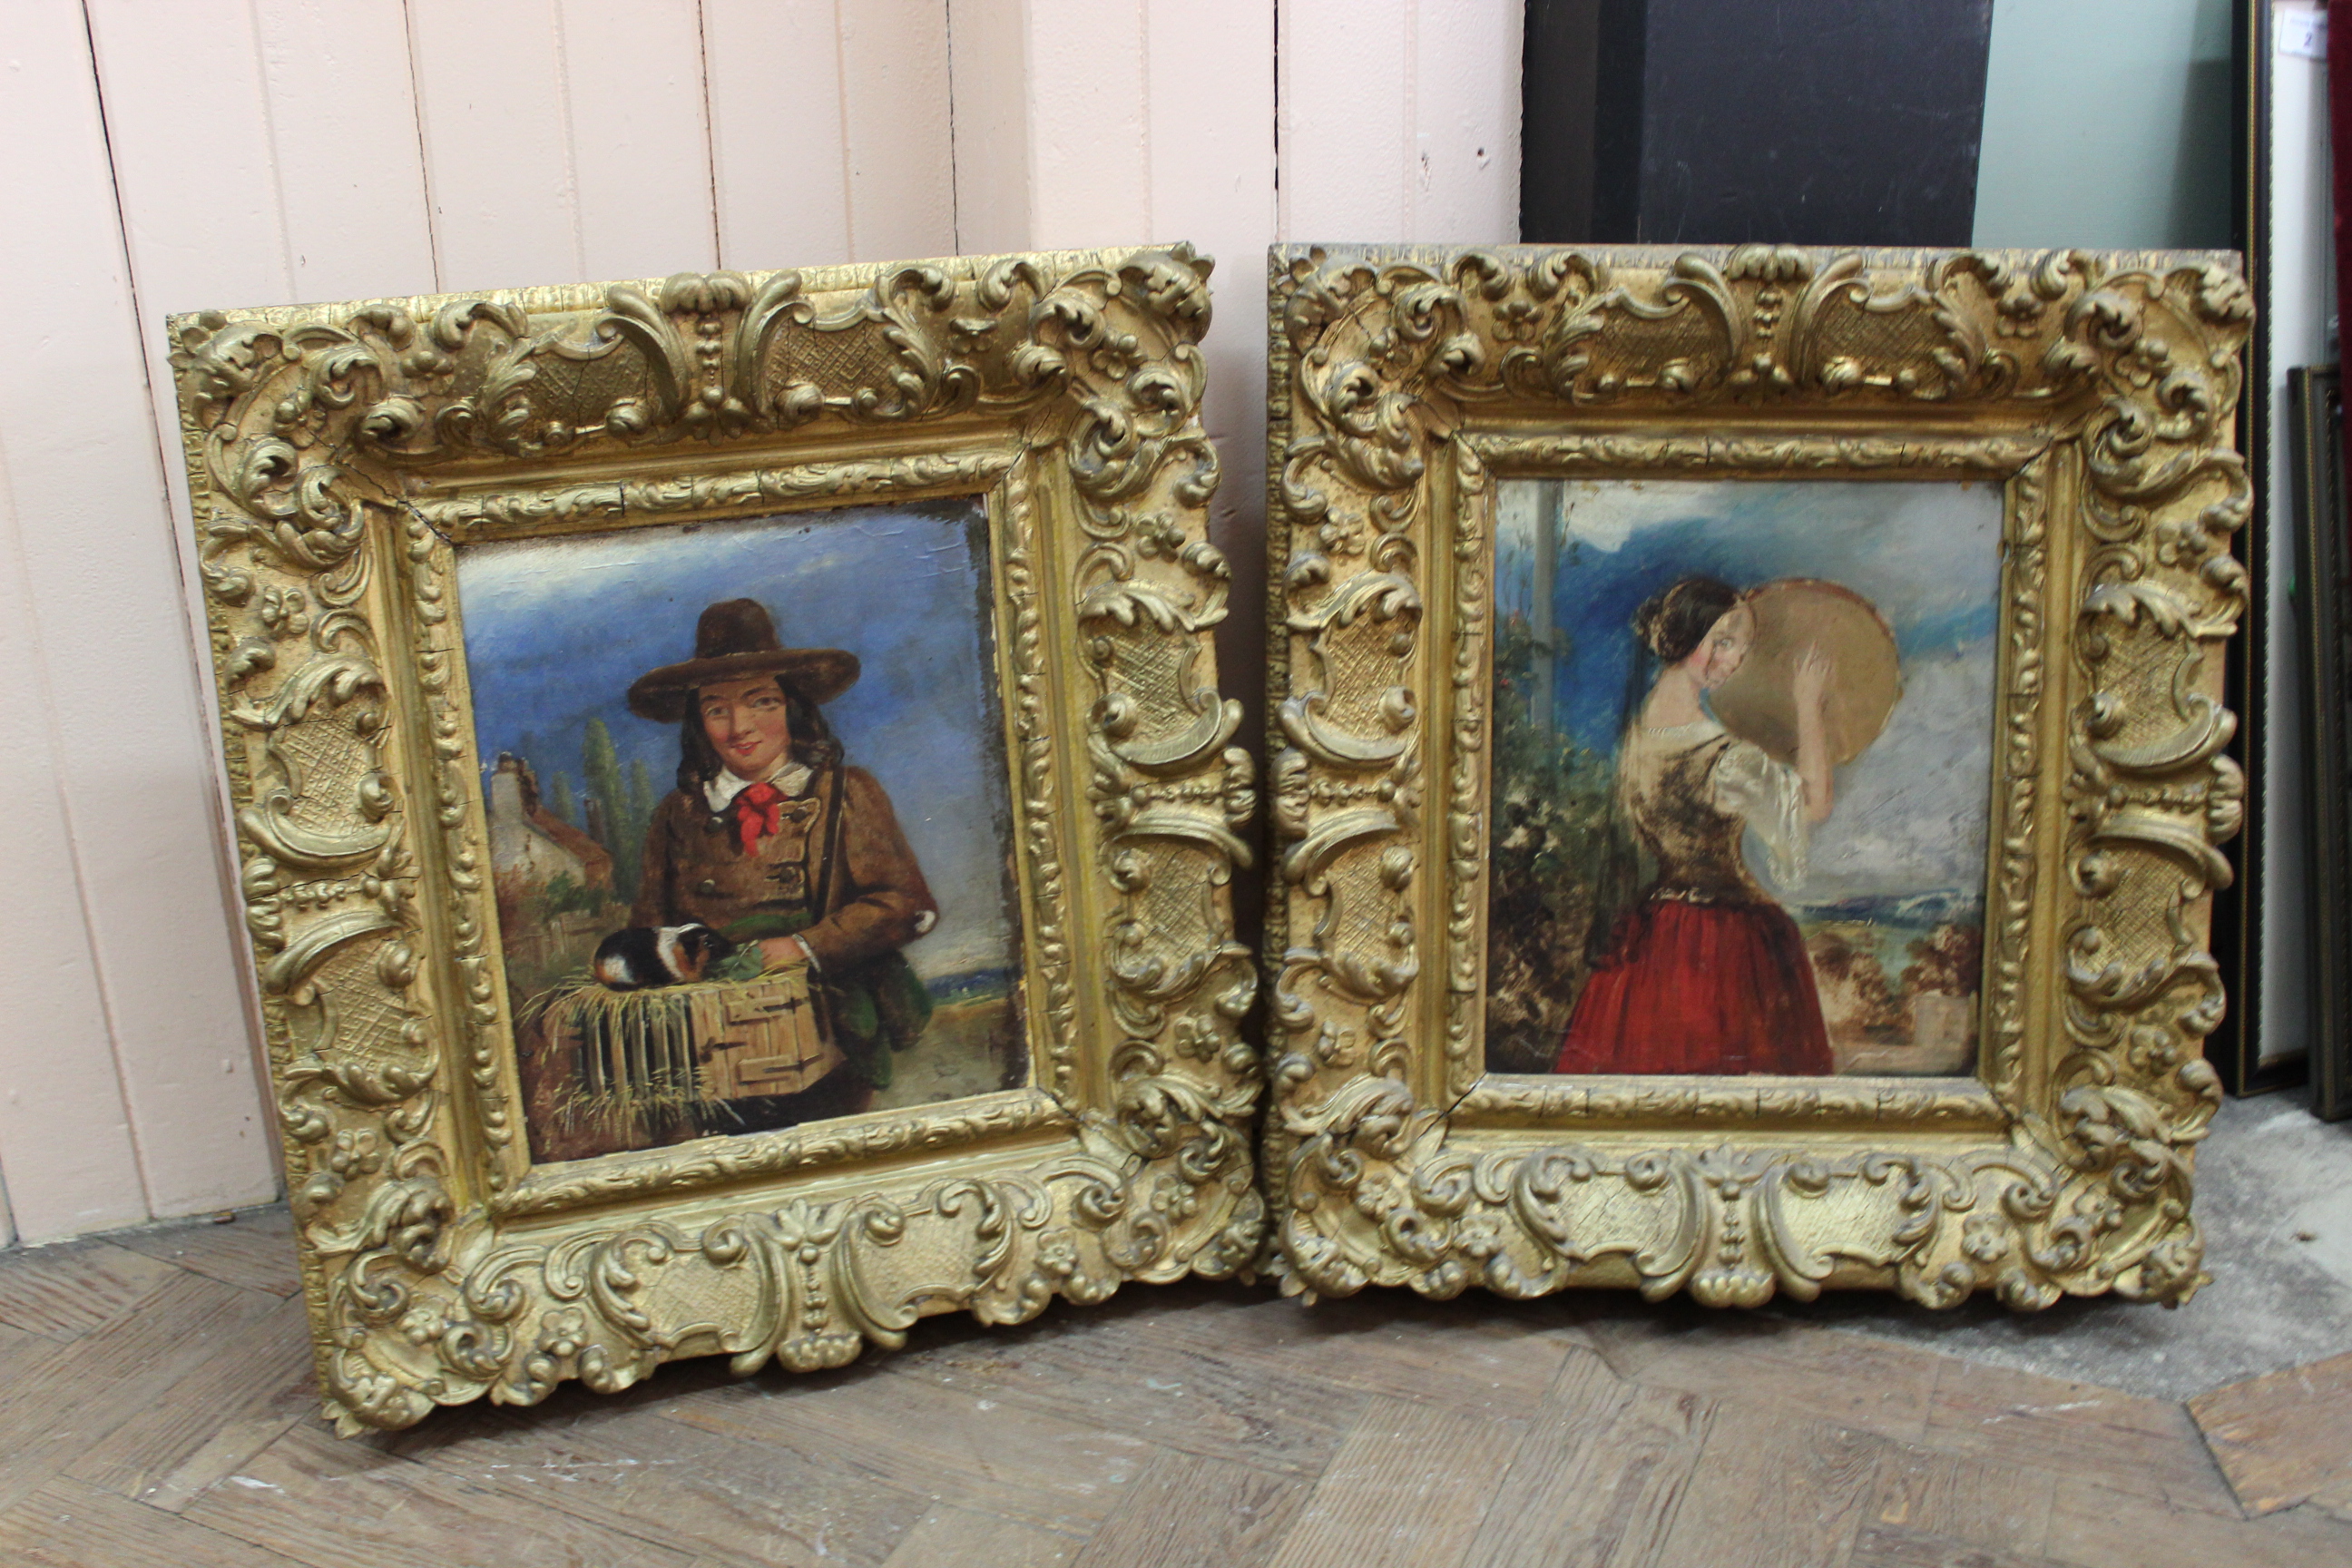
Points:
[(813, 745)]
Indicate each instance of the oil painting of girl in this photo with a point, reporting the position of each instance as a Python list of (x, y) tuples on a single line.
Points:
[(1740, 808), (1708, 974)]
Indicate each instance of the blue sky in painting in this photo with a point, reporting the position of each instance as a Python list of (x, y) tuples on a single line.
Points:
[(557, 628), (1912, 811)]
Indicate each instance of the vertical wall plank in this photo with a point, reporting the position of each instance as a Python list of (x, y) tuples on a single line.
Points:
[(1082, 124), (341, 110), (773, 71), (895, 127), (83, 481), (1089, 132), (1466, 169), (64, 1139), (205, 181), (1348, 118), (993, 172), (640, 137), (498, 149), (2298, 314), (1211, 146), (196, 182), (1210, 143)]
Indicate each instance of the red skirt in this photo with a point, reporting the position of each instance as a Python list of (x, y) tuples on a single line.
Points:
[(1700, 988)]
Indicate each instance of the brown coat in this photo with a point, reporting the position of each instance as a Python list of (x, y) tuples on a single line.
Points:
[(875, 899)]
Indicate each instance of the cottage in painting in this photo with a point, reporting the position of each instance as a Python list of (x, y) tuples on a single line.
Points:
[(550, 879)]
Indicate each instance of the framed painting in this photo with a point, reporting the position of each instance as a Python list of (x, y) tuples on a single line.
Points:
[(734, 812), (1749, 767), (2326, 620), (2279, 179)]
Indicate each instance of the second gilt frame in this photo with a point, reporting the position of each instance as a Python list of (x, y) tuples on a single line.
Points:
[(2099, 391)]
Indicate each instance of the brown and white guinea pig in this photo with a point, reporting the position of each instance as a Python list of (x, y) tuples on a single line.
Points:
[(644, 956)]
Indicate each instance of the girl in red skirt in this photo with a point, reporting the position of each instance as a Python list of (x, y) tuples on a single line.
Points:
[(1706, 974)]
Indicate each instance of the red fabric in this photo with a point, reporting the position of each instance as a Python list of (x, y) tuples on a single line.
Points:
[(759, 811), (1700, 988)]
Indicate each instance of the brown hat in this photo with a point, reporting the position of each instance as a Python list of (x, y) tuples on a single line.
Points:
[(734, 640)]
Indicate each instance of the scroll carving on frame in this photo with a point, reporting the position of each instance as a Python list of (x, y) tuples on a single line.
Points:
[(1747, 769), (918, 993)]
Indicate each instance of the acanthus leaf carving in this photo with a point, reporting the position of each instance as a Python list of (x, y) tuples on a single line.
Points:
[(337, 457), (2098, 389)]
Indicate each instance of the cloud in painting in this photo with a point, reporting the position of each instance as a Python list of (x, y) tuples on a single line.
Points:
[(1924, 553), (1912, 812)]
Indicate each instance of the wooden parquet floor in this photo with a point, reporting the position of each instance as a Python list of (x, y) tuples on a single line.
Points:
[(155, 1409)]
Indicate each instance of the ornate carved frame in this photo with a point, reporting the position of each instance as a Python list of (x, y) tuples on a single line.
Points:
[(2100, 390), (337, 458)]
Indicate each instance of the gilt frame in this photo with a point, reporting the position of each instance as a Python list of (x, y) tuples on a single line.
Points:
[(339, 455), (2101, 390)]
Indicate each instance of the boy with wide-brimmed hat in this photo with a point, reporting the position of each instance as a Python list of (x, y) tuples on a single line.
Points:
[(772, 840)]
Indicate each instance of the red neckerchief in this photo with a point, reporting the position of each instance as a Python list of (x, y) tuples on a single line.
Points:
[(759, 811)]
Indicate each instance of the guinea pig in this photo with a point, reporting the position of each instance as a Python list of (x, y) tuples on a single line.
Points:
[(644, 956)]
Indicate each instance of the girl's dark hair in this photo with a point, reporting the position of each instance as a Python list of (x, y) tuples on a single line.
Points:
[(813, 744), (1672, 622), (1668, 625)]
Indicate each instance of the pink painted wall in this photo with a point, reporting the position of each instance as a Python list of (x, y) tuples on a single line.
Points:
[(217, 152)]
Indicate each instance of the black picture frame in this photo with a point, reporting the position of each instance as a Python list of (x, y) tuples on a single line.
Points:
[(1804, 122), (2235, 1048), (2324, 567)]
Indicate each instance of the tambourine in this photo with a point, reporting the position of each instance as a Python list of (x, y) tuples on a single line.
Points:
[(1758, 703)]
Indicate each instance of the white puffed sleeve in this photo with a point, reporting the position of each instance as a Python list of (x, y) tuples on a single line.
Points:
[(1771, 797)]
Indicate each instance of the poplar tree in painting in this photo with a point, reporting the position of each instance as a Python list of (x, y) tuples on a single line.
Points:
[(608, 817), (560, 801), (640, 814), (601, 766)]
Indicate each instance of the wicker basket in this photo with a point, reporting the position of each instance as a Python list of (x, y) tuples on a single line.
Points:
[(674, 1046)]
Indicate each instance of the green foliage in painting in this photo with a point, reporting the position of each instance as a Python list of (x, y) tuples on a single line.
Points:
[(560, 799), (1557, 856), (566, 894), (600, 762), (636, 815)]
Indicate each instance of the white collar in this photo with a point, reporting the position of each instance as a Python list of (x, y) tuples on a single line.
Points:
[(788, 775)]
